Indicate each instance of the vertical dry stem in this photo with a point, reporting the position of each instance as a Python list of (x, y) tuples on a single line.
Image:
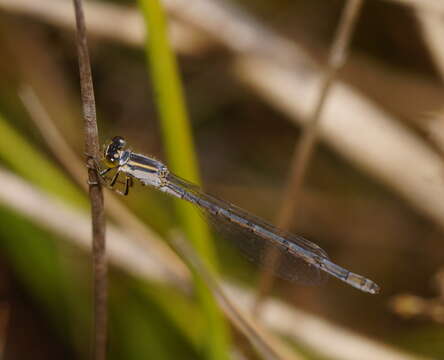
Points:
[(95, 190), (305, 146)]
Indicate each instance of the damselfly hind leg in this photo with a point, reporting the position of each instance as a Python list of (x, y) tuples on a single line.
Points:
[(128, 184), (114, 179)]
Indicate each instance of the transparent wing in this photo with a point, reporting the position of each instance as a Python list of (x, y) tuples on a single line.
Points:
[(256, 248), (253, 246)]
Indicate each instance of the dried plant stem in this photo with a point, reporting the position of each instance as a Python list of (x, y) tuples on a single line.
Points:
[(305, 146), (95, 190), (102, 20), (265, 344), (432, 28), (428, 5)]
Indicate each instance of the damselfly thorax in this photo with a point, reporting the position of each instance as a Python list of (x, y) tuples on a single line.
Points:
[(124, 165)]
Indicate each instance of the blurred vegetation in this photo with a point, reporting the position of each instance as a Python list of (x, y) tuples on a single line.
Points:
[(243, 147)]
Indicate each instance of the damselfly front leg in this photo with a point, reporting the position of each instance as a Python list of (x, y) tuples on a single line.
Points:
[(102, 173)]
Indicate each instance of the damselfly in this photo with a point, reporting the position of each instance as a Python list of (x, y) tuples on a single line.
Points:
[(301, 260)]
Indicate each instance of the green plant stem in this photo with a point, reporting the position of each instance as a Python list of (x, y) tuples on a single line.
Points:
[(182, 159)]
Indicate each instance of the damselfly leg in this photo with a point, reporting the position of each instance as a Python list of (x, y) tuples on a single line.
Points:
[(128, 181), (115, 177), (128, 184), (102, 173)]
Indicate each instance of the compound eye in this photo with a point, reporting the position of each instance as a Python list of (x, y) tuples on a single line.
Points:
[(119, 142)]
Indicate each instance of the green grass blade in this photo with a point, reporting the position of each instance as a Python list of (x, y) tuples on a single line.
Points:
[(28, 161), (182, 159)]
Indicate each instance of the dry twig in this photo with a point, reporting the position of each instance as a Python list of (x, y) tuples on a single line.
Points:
[(435, 130), (266, 344), (432, 26), (95, 189), (102, 20), (305, 145), (426, 5), (410, 306)]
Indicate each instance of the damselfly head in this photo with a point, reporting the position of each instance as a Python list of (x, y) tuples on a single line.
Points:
[(113, 151)]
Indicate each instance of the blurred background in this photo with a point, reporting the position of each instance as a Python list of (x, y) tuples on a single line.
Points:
[(373, 196)]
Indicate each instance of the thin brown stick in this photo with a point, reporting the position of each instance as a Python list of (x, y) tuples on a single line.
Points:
[(426, 5), (432, 28), (95, 190), (304, 148), (102, 20), (435, 131), (266, 345)]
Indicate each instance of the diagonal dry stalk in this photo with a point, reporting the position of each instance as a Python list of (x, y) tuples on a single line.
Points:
[(267, 345), (305, 146), (66, 156), (432, 28), (95, 190), (428, 5)]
